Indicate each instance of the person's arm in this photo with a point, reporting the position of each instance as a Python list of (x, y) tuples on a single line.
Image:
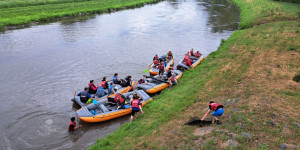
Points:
[(75, 128), (130, 101), (113, 90), (205, 114)]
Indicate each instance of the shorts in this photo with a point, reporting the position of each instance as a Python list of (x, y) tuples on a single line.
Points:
[(160, 72), (218, 113), (133, 112), (173, 83)]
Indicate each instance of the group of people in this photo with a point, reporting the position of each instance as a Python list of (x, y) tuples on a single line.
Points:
[(188, 61), (161, 62), (99, 90)]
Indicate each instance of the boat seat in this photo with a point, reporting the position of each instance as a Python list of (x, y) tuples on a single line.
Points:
[(103, 108)]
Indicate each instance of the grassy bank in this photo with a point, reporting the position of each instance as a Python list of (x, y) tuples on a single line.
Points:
[(43, 11), (251, 73)]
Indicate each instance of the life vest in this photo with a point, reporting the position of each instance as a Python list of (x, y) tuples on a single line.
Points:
[(155, 58), (161, 67), (169, 53), (83, 96), (214, 106), (192, 52), (117, 98), (186, 57), (135, 103), (71, 129), (188, 62), (172, 79), (92, 88), (122, 100), (197, 54), (172, 68), (104, 84), (115, 80), (156, 62)]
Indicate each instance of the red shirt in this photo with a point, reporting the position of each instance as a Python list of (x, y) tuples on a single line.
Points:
[(72, 125)]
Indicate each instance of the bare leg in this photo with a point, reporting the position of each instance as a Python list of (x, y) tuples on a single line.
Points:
[(131, 118), (213, 121), (138, 113)]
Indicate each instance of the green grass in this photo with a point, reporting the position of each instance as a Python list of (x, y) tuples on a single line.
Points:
[(54, 9), (255, 12)]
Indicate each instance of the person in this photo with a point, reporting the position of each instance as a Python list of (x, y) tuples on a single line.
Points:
[(142, 81), (100, 91), (197, 54), (155, 57), (84, 95), (192, 52), (189, 63), (116, 80), (127, 81), (161, 69), (217, 111), (165, 63), (104, 83), (112, 88), (73, 126), (170, 55), (156, 63), (121, 102), (186, 57), (136, 106), (92, 87), (172, 80), (169, 72), (172, 67)]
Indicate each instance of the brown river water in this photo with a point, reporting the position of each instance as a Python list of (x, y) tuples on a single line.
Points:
[(42, 66)]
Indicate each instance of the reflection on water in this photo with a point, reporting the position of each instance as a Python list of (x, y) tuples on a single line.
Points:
[(42, 66)]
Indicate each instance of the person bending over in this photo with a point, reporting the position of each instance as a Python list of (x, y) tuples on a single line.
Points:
[(136, 106), (217, 111)]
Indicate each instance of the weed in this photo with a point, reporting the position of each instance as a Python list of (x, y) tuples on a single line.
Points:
[(263, 146)]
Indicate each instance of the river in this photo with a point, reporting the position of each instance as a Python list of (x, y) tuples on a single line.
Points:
[(42, 66)]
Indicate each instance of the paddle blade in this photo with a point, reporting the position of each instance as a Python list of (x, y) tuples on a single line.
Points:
[(146, 70)]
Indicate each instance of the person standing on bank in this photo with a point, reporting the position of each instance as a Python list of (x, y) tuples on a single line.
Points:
[(136, 106), (73, 126), (217, 111)]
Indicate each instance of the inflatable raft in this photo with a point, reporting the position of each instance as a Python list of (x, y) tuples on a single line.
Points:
[(120, 90), (196, 61), (155, 84), (104, 111), (154, 71)]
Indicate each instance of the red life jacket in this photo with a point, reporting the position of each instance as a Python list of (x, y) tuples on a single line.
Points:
[(197, 54), (188, 62), (71, 129), (155, 58), (161, 68), (122, 100), (117, 98), (192, 53), (156, 62), (186, 57), (172, 68), (214, 106), (172, 79), (169, 53), (135, 103), (104, 84)]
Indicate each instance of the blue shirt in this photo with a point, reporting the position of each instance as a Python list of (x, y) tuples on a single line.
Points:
[(88, 94)]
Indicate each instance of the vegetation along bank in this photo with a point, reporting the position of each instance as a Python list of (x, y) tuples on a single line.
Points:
[(251, 74), (20, 13)]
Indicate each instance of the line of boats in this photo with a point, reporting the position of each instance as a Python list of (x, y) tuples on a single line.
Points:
[(103, 110)]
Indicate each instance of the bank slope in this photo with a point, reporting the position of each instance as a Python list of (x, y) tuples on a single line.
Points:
[(251, 73)]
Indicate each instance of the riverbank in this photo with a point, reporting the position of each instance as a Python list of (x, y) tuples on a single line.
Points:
[(15, 14), (251, 74)]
